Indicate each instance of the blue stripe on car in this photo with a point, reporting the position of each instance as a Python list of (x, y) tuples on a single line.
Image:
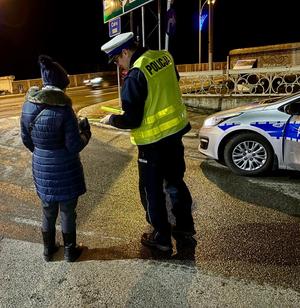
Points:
[(226, 126), (274, 129)]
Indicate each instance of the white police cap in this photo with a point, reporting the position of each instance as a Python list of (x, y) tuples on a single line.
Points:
[(117, 44)]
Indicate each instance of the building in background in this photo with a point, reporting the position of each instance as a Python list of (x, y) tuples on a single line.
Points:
[(267, 56)]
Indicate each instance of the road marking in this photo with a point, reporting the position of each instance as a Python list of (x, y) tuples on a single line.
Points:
[(36, 223), (8, 147), (102, 94), (7, 119)]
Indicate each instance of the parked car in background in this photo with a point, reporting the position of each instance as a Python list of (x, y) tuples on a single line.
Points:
[(94, 83), (256, 138)]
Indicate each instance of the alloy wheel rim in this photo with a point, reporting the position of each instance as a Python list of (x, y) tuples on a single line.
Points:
[(249, 155)]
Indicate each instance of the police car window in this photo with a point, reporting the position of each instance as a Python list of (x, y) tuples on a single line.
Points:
[(293, 108)]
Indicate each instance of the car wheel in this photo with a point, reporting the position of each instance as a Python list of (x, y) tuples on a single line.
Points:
[(249, 154)]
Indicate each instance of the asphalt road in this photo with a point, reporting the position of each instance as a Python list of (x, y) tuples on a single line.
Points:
[(248, 233), (81, 97)]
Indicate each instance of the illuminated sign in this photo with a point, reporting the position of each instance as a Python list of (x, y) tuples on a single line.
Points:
[(114, 26), (115, 8), (202, 20)]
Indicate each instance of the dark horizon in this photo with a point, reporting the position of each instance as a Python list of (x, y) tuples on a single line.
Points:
[(72, 33)]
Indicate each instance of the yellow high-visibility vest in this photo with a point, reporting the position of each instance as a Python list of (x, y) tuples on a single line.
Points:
[(164, 112)]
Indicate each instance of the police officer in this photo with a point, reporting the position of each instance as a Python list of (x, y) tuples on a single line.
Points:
[(153, 110)]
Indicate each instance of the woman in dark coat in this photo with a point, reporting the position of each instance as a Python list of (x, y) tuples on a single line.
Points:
[(50, 130)]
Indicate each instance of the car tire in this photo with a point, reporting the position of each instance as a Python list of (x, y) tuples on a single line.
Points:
[(249, 154)]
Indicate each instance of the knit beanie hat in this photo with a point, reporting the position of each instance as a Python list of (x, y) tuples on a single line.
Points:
[(53, 74)]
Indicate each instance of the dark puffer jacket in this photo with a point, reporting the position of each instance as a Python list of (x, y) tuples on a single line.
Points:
[(55, 141)]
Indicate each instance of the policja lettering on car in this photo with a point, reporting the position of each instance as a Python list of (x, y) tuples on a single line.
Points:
[(158, 64)]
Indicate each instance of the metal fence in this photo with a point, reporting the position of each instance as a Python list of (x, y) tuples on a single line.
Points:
[(259, 81)]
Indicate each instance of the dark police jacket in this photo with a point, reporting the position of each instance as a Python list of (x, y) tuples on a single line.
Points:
[(55, 141)]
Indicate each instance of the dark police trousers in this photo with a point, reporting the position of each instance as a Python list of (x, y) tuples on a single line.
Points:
[(67, 215), (161, 168)]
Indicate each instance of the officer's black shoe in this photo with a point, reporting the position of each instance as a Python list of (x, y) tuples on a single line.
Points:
[(50, 247), (71, 251), (184, 252), (184, 238), (151, 240)]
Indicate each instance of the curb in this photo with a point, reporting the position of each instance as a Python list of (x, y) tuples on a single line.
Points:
[(11, 95), (191, 135)]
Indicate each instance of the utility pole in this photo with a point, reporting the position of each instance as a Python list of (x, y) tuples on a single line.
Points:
[(131, 21), (201, 6), (159, 23), (167, 36), (143, 26), (210, 33)]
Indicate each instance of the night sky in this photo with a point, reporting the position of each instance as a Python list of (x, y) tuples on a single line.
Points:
[(72, 32)]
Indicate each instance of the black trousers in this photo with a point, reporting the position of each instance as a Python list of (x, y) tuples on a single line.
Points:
[(161, 170), (67, 215)]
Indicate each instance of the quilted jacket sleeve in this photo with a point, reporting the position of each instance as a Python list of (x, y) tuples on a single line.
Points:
[(25, 134), (74, 140)]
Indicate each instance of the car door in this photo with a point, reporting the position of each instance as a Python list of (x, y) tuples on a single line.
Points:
[(291, 140)]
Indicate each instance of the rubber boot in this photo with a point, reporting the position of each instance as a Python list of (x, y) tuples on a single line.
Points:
[(71, 251), (50, 247)]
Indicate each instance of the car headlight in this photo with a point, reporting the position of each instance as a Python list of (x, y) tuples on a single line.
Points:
[(215, 120)]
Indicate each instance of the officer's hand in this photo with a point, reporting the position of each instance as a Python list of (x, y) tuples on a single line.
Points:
[(106, 120)]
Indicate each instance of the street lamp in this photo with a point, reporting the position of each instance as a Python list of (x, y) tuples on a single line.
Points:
[(210, 33), (201, 21)]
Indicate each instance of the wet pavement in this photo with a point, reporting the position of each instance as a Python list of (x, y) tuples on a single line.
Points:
[(248, 233)]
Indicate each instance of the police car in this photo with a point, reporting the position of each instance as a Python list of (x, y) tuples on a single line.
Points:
[(256, 138)]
